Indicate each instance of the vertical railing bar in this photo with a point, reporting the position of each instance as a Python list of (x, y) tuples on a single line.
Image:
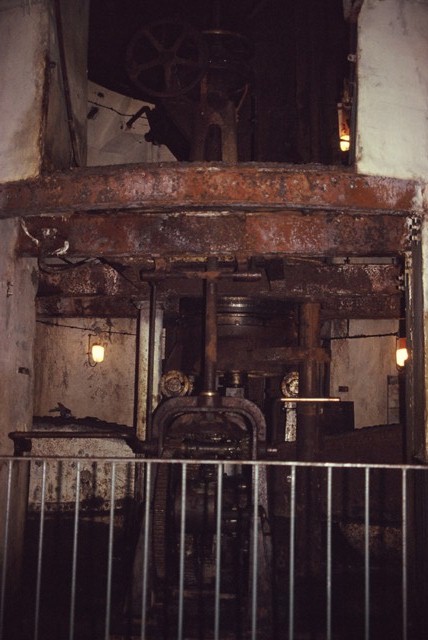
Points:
[(5, 546), (366, 554), (146, 549), (254, 554), (110, 551), (329, 522), (40, 552), (291, 560), (74, 560), (218, 552), (182, 552), (404, 550)]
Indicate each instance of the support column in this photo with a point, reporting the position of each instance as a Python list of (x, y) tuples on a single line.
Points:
[(416, 427), (149, 364), (308, 435), (210, 356), (309, 533)]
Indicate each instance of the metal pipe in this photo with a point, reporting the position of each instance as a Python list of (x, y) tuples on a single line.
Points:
[(210, 361), (307, 436), (40, 552), (74, 561), (182, 552), (5, 546), (366, 554), (148, 363), (254, 558), (291, 555), (218, 553), (146, 551), (110, 552), (404, 550), (329, 572), (151, 360), (298, 400)]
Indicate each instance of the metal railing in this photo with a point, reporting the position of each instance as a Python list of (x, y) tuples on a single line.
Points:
[(125, 548)]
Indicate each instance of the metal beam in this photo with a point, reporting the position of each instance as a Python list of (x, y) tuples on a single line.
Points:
[(299, 281), (289, 233), (88, 280), (86, 307), (118, 306), (176, 187)]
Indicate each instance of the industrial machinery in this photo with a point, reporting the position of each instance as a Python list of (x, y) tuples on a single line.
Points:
[(246, 348), (215, 422), (200, 79)]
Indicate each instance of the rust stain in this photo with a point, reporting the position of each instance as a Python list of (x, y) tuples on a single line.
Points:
[(177, 187), (287, 233)]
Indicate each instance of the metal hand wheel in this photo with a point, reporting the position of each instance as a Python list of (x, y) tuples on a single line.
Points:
[(166, 58)]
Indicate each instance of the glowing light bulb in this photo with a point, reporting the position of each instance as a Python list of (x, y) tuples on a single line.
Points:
[(401, 354), (97, 352), (345, 142)]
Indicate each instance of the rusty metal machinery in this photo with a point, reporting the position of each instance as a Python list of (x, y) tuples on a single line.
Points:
[(201, 77), (210, 425), (166, 58)]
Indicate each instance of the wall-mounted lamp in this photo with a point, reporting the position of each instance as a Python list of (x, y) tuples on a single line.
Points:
[(401, 353), (96, 350), (343, 116)]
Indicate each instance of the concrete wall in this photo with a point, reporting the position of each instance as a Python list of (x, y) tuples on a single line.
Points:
[(63, 372), (18, 283), (105, 391), (63, 147), (24, 38), (392, 137), (363, 359), (34, 130)]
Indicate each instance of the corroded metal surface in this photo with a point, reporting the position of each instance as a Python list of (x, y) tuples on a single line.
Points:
[(137, 213), (86, 307), (123, 307), (290, 233), (314, 280), (90, 279), (177, 187), (362, 307)]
